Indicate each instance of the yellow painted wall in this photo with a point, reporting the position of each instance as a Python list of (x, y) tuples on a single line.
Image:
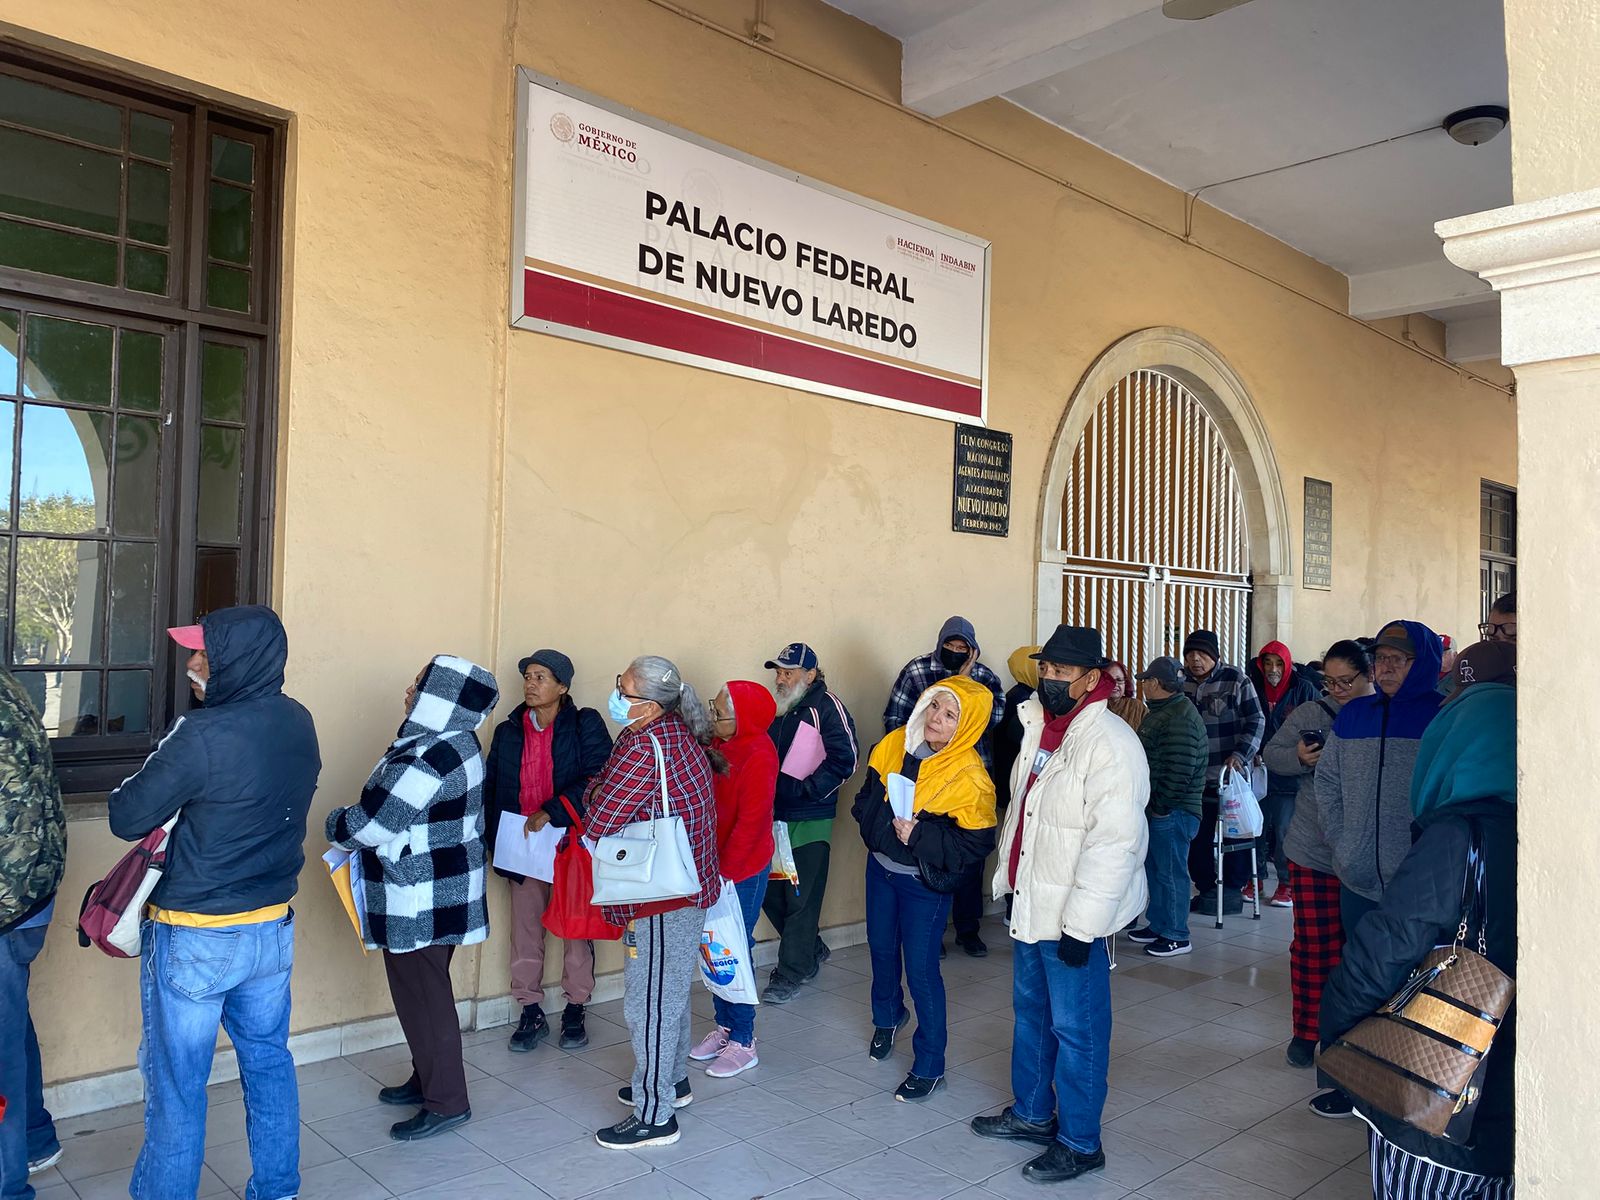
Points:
[(450, 485)]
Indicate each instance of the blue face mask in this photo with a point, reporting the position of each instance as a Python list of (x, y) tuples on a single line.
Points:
[(619, 706)]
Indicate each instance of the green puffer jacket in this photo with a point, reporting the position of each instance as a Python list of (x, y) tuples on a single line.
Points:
[(1174, 738), (33, 824)]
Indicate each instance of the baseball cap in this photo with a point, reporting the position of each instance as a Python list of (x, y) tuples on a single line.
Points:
[(1396, 637), (1486, 662), (1166, 671), (794, 655), (190, 637)]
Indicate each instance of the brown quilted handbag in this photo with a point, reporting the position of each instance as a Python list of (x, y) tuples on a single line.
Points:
[(1421, 1057)]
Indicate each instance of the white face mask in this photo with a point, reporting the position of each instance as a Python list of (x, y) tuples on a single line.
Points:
[(194, 678)]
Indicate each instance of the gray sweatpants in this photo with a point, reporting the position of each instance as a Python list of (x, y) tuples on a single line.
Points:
[(662, 961)]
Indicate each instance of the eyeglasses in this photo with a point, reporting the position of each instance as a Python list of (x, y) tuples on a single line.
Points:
[(1491, 631), (1336, 684), (629, 695), (1392, 658)]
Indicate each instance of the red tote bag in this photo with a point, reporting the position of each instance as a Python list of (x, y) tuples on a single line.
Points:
[(571, 914)]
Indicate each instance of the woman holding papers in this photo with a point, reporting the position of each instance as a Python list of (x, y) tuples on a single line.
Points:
[(740, 714), (541, 760), (419, 828), (927, 815)]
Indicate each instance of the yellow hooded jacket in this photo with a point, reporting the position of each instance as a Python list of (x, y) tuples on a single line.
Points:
[(953, 781)]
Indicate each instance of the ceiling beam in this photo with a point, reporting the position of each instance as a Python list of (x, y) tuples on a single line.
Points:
[(1001, 45), (1417, 288), (1474, 339)]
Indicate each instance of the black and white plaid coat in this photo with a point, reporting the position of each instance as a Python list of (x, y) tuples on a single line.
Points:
[(419, 822)]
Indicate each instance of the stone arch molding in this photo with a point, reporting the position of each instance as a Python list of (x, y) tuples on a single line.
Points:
[(1198, 365)]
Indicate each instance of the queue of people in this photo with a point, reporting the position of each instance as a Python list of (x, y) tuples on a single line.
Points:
[(1100, 808)]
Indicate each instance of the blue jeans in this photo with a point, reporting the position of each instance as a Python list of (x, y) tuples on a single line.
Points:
[(905, 924), (1166, 868), (1061, 1042), (189, 981), (740, 1019), (27, 1132)]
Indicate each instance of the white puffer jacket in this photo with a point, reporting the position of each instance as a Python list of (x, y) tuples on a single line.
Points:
[(1084, 838)]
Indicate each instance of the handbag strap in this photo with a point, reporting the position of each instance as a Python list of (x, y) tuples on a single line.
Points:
[(1474, 902), (577, 821), (661, 773)]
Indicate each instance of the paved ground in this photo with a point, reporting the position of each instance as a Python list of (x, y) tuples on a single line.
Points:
[(1202, 1105)]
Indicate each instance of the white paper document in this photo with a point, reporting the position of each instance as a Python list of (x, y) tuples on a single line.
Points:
[(530, 854), (902, 795)]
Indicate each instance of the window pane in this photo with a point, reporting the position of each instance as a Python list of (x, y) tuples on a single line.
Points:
[(149, 195), (139, 371), (220, 463), (146, 271), (59, 600), (150, 136), (138, 475), (65, 456), (128, 702), (228, 287), (67, 361), (229, 237), (232, 160), (54, 252), (8, 417), (216, 580), (53, 181), (133, 597), (45, 108), (10, 322), (222, 382), (69, 701)]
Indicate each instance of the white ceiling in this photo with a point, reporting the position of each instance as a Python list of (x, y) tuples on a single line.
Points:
[(1266, 84)]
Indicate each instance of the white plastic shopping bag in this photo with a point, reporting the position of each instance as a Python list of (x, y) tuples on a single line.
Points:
[(1259, 782), (725, 966), (783, 856), (1241, 811)]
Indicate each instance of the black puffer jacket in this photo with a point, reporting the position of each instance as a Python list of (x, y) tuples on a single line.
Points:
[(579, 746), (242, 768), (1421, 909)]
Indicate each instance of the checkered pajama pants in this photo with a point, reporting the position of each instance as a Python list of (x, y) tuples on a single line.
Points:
[(1318, 941)]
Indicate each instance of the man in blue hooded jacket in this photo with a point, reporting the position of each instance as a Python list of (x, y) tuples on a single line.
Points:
[(238, 773)]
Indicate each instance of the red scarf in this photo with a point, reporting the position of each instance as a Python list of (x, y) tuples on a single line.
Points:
[(1055, 732)]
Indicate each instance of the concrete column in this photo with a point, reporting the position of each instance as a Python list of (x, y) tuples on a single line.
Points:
[(1543, 257)]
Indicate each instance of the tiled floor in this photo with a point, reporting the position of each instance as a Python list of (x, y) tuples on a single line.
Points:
[(1202, 1105)]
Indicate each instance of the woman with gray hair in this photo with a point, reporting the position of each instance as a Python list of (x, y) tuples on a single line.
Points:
[(656, 708)]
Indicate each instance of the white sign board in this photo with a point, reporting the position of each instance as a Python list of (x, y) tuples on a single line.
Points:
[(640, 237)]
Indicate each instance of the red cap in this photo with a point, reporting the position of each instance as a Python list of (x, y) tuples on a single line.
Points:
[(190, 637)]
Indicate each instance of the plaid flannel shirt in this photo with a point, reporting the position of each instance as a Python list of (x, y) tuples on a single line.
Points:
[(920, 674), (628, 789), (1235, 722)]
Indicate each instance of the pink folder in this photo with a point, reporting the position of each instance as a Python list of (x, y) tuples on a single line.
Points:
[(805, 752)]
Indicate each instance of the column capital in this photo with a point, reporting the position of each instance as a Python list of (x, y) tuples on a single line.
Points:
[(1543, 257)]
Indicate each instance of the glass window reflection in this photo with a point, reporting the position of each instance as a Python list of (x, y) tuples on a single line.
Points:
[(65, 458), (60, 601), (69, 701)]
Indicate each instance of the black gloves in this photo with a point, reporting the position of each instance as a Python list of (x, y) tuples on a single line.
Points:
[(1073, 952)]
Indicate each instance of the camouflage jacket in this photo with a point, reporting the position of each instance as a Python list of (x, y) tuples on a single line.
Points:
[(33, 824)]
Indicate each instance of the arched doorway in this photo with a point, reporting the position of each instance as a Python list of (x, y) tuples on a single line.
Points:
[(1163, 509)]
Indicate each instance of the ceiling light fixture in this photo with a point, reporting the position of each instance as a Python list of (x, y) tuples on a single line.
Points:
[(1477, 125)]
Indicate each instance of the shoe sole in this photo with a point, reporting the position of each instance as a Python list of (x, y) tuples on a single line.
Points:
[(1280, 903), (1327, 1116), (1032, 1139), (665, 1140), (1140, 940), (677, 1101), (754, 1062), (44, 1164), (1033, 1177), (574, 1043), (413, 1101), (1300, 1066), (704, 1057), (530, 1047), (1154, 953), (925, 1097), (444, 1127)]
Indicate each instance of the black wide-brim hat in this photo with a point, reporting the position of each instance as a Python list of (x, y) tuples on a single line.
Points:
[(1074, 646)]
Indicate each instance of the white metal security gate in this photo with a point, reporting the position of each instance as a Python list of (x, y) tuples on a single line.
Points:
[(1153, 526)]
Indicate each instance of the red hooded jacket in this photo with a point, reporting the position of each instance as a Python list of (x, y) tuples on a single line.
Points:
[(744, 794), (1271, 695)]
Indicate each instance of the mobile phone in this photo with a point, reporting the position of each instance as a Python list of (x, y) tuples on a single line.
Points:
[(1314, 738)]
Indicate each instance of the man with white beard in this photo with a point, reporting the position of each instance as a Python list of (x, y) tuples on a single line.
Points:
[(810, 718)]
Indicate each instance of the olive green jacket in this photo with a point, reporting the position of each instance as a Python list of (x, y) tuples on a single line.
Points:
[(1174, 736)]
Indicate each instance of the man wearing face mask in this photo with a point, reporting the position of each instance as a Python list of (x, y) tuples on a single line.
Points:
[(1072, 858), (955, 653)]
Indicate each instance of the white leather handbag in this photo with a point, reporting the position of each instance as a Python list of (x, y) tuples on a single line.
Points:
[(648, 860)]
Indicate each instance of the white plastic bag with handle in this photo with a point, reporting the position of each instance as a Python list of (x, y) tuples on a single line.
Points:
[(1259, 782), (1241, 811), (725, 965)]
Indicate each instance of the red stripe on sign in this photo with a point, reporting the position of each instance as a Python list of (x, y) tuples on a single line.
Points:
[(561, 301)]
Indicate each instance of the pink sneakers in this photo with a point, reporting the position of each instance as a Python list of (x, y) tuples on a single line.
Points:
[(711, 1045), (733, 1059)]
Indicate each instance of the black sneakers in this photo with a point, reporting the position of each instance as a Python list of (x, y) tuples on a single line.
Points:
[(1332, 1104), (1144, 935), (973, 945), (1167, 948), (681, 1096), (915, 1088), (1010, 1127), (408, 1094), (531, 1029), (1060, 1163), (426, 1124), (1302, 1052), (634, 1134), (1206, 902), (780, 990), (883, 1039), (573, 1035)]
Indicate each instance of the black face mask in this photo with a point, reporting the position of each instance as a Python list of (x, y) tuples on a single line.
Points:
[(1056, 696), (953, 660)]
